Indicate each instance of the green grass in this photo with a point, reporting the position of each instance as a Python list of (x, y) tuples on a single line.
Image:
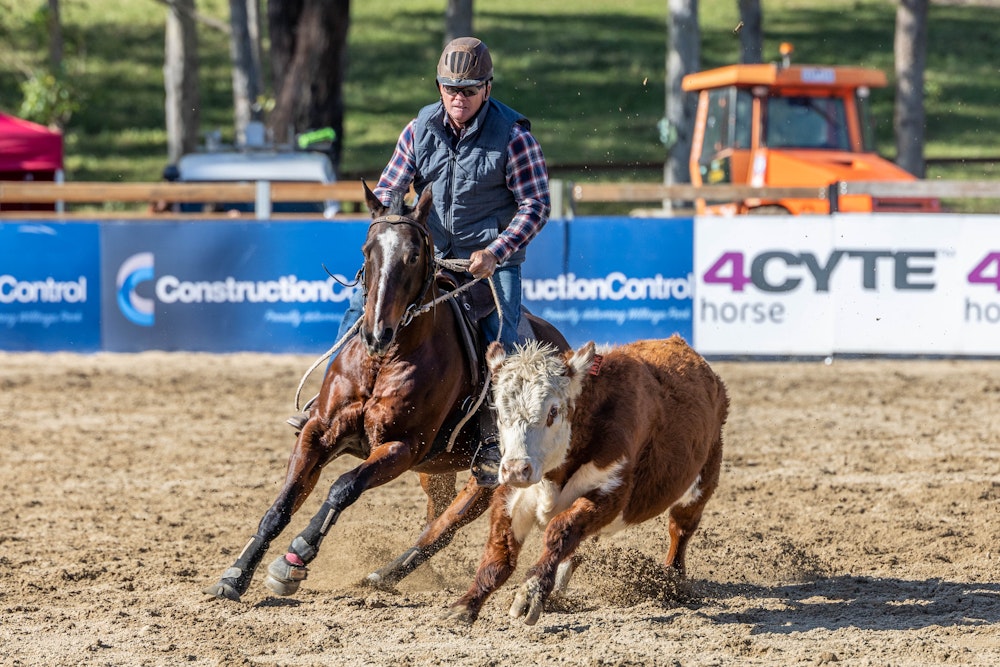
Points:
[(590, 77)]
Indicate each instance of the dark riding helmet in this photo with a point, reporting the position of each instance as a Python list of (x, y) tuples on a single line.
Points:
[(465, 62)]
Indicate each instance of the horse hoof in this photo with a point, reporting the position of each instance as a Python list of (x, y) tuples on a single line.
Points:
[(283, 578), (222, 591), (279, 587)]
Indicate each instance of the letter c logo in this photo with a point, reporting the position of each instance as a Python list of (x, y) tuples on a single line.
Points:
[(136, 269)]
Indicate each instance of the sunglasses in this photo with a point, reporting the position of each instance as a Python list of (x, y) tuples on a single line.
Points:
[(469, 91)]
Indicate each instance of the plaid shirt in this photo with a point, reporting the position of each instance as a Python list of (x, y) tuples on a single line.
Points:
[(527, 178)]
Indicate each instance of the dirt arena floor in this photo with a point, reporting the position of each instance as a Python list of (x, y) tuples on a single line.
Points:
[(857, 523)]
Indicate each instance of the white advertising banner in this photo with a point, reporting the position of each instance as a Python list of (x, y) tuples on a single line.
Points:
[(762, 286), (882, 284), (895, 286), (977, 307)]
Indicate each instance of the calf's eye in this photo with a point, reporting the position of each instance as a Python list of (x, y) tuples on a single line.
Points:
[(553, 413)]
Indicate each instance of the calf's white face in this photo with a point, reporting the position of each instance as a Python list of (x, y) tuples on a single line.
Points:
[(534, 390)]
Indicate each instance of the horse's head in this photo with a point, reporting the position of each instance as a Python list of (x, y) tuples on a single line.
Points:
[(398, 269)]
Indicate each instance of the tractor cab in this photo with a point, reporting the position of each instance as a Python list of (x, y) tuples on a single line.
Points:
[(785, 125)]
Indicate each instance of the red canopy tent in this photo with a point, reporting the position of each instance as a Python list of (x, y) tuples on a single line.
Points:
[(29, 152)]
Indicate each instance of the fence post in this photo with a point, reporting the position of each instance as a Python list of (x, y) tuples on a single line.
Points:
[(262, 202), (561, 198)]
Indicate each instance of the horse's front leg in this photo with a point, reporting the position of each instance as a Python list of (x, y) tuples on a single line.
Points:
[(468, 506), (304, 466), (384, 464)]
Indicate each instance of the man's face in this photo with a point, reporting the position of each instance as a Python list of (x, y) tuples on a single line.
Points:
[(463, 103)]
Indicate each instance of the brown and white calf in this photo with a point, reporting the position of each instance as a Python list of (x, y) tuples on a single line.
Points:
[(592, 444)]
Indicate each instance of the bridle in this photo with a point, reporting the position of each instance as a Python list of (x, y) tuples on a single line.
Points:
[(428, 248)]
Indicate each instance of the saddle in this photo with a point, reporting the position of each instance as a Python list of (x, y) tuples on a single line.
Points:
[(470, 306)]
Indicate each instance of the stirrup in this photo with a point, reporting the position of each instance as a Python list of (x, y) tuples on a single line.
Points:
[(299, 419), (486, 464)]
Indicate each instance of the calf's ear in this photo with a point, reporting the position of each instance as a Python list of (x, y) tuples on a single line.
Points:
[(495, 356), (578, 362)]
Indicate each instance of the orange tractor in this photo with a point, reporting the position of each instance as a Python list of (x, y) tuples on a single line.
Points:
[(783, 125)]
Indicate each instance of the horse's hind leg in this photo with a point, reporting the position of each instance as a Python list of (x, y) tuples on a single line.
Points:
[(303, 473), (467, 506), (440, 490)]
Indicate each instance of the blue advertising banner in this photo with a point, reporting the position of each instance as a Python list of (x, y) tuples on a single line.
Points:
[(620, 279), (49, 286), (227, 286)]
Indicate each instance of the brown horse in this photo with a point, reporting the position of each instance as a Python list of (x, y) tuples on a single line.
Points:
[(391, 397)]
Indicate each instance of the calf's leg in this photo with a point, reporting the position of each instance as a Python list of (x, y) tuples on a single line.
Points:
[(684, 519), (498, 562), (585, 517)]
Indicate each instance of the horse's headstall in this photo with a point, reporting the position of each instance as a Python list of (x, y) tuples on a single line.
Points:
[(396, 219)]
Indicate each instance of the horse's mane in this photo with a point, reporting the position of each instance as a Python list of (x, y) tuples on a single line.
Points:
[(396, 204)]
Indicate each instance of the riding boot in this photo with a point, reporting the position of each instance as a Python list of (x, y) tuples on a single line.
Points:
[(486, 461), (299, 419)]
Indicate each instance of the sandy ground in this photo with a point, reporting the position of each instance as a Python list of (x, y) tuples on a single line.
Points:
[(857, 523)]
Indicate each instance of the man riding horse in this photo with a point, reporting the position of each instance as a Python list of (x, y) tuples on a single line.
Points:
[(491, 195)]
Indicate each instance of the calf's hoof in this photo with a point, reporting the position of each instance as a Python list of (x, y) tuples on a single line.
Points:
[(283, 577), (460, 614), (528, 602)]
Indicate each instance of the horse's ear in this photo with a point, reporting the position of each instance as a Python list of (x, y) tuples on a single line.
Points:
[(495, 356), (374, 205), (578, 362), (423, 206)]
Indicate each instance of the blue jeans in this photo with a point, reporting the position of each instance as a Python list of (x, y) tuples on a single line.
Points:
[(508, 283), (355, 309), (507, 280)]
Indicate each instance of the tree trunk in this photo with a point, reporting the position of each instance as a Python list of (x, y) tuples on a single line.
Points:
[(180, 80), (751, 33), (911, 59), (55, 38), (458, 20), (309, 61), (247, 84), (683, 57)]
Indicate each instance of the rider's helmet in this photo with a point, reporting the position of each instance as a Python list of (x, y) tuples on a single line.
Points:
[(465, 62)]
